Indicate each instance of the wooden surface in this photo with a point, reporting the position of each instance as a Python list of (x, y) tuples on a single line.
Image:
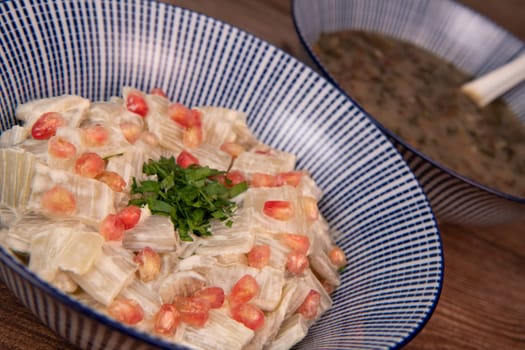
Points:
[(482, 305)]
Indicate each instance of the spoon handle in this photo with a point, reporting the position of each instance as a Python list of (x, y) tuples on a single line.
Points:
[(490, 86)]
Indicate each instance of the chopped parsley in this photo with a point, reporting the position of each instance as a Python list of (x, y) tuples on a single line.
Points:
[(190, 196)]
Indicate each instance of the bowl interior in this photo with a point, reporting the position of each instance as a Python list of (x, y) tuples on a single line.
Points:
[(448, 29), (455, 33), (376, 208)]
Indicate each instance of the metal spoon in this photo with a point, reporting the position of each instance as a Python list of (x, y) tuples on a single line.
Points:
[(490, 86)]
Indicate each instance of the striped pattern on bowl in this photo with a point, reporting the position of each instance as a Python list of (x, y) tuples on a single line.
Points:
[(379, 213), (435, 26)]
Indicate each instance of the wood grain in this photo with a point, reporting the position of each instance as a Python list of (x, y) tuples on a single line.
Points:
[(482, 305)]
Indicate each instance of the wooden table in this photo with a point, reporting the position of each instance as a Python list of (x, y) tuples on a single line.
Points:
[(482, 305)]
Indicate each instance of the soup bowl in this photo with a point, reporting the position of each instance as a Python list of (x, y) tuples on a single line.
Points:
[(377, 211), (454, 33)]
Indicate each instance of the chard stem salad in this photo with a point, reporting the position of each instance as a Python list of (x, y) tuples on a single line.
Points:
[(170, 219)]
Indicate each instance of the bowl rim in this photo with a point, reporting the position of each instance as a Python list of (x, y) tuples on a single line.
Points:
[(12, 262), (388, 132)]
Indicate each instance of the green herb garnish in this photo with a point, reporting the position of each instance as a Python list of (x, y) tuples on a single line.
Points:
[(190, 196), (106, 158)]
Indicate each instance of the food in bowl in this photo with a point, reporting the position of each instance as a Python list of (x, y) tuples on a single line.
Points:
[(173, 220), (377, 211), (417, 96)]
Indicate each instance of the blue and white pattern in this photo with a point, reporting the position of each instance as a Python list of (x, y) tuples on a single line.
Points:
[(454, 33), (379, 213)]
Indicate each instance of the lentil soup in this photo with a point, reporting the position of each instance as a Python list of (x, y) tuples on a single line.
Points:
[(417, 96)]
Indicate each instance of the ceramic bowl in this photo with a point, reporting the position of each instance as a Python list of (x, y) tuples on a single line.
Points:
[(378, 212), (455, 33)]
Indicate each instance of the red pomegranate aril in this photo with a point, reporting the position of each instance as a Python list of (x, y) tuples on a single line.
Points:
[(136, 103), (310, 208), (186, 159), (130, 216), (292, 178), (193, 311), (113, 180), (158, 92), (149, 138), (310, 306), (111, 228), (297, 243), (148, 262), (234, 177), (297, 263), (337, 257), (244, 290), (95, 135), (126, 310), (279, 210), (60, 148), (328, 287), (46, 125), (90, 165), (249, 315), (213, 295), (259, 256), (184, 116), (232, 148), (166, 320), (131, 131), (263, 180), (192, 136), (59, 201)]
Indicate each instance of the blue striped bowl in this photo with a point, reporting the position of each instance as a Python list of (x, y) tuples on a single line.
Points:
[(378, 211), (456, 34)]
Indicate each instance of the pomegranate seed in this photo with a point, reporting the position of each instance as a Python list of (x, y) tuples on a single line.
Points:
[(263, 180), (167, 319), (111, 228), (245, 289), (232, 148), (149, 264), (194, 311), (234, 177), (259, 256), (113, 180), (186, 159), (126, 311), (130, 216), (184, 116), (149, 138), (297, 263), (249, 315), (46, 125), (279, 210), (328, 287), (297, 243), (263, 150), (60, 148), (292, 178), (310, 305), (136, 103), (158, 92), (214, 296), (59, 201), (337, 257), (230, 179), (89, 165), (95, 135), (131, 131), (310, 208), (192, 136)]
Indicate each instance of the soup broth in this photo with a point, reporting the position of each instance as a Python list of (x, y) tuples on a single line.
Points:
[(417, 96)]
